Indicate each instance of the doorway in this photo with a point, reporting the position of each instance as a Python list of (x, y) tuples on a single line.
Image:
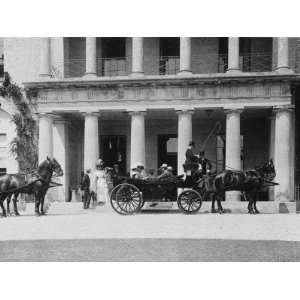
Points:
[(167, 150), (113, 150)]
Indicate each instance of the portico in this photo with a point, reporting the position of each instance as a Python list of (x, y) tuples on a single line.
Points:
[(143, 116)]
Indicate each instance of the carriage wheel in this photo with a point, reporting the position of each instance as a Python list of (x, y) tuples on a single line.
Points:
[(126, 199), (189, 201)]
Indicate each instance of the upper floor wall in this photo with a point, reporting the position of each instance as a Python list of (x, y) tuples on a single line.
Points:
[(68, 57)]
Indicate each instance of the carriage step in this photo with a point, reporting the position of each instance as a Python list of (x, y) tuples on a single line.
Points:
[(160, 205)]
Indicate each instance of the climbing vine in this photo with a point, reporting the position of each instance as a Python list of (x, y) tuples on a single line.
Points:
[(24, 145)]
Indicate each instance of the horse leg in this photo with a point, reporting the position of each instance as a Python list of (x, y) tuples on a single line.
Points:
[(37, 204), (8, 204), (250, 204), (42, 203), (219, 202), (254, 204), (213, 199), (2, 206), (15, 200)]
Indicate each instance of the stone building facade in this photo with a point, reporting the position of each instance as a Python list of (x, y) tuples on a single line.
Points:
[(130, 100)]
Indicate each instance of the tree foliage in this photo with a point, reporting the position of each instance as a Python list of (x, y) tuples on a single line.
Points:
[(24, 145)]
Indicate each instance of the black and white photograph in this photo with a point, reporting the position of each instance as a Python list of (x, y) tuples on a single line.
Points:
[(153, 146)]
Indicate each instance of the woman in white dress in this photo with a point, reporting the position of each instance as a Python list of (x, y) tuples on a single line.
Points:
[(100, 185)]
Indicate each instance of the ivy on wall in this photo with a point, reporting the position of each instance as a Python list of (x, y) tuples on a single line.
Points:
[(25, 145)]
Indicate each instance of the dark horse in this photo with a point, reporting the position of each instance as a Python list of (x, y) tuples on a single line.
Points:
[(250, 183), (36, 183)]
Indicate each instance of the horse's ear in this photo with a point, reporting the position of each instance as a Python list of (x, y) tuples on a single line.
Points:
[(48, 158)]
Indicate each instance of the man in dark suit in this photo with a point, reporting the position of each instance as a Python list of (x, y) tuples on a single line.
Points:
[(204, 163), (85, 187)]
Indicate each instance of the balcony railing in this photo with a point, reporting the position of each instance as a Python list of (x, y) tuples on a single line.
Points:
[(168, 65), (117, 66), (165, 65), (105, 67), (73, 68), (256, 62)]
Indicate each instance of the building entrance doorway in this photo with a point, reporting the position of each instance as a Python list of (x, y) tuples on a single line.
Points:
[(167, 150), (113, 150)]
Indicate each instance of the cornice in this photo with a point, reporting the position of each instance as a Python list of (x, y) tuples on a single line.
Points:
[(166, 80)]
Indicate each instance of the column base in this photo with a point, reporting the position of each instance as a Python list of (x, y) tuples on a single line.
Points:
[(284, 70), (90, 76), (45, 75), (184, 73), (233, 71), (137, 74)]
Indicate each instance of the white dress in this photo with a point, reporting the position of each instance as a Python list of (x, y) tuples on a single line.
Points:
[(100, 186)]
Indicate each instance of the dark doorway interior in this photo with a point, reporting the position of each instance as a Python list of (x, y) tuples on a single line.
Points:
[(113, 150), (167, 150)]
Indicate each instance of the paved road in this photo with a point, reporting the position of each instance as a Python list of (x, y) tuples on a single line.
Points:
[(69, 233), (149, 250)]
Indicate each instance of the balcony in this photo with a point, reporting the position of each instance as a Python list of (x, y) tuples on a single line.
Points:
[(256, 62), (165, 65), (168, 65), (105, 67), (117, 66)]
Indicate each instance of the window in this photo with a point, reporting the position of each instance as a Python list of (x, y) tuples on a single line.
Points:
[(113, 61), (169, 55), (3, 171), (3, 138)]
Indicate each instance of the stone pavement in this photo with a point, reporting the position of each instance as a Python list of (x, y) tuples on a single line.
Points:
[(70, 221)]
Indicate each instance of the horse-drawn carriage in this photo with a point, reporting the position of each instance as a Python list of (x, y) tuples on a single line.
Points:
[(130, 196)]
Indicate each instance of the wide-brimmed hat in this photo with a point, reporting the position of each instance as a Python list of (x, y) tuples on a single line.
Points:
[(169, 168), (164, 166)]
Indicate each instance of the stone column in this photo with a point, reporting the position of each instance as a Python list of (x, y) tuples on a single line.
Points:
[(91, 57), (137, 139), (233, 55), (137, 56), (233, 146), (45, 57), (185, 135), (282, 161), (61, 154), (91, 140), (185, 56), (283, 55), (45, 136), (271, 150)]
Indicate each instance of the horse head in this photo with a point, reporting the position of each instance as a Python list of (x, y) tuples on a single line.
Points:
[(48, 167), (267, 171), (55, 167)]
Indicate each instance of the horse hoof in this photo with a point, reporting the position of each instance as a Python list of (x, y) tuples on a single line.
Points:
[(221, 211), (257, 211), (17, 214), (213, 211), (37, 214), (251, 212), (4, 215)]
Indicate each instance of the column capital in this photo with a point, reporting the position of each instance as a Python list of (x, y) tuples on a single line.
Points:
[(233, 110), (45, 115), (184, 111), (91, 113), (137, 112), (283, 108)]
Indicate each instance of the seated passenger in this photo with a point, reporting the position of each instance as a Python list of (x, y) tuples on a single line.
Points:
[(138, 172), (162, 169)]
